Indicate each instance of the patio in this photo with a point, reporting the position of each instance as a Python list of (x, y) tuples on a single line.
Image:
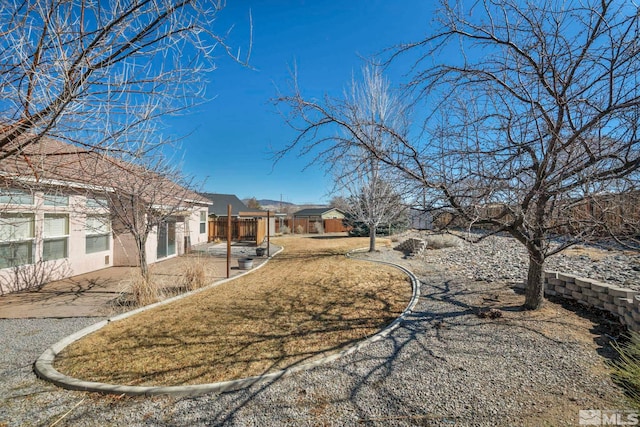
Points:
[(97, 294)]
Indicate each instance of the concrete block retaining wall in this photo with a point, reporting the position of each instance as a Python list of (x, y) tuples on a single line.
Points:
[(623, 303), (412, 246)]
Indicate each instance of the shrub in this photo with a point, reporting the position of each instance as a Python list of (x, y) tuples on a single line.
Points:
[(194, 276), (440, 241), (626, 370), (143, 291), (299, 229), (285, 230), (319, 227)]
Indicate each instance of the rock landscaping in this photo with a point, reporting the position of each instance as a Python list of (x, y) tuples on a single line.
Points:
[(465, 356), (580, 274)]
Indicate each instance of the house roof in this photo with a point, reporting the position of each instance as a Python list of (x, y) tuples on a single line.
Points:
[(51, 162), (221, 201), (314, 211)]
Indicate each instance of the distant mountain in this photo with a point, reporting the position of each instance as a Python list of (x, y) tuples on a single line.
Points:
[(285, 207), (268, 202)]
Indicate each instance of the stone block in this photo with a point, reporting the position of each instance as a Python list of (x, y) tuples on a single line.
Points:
[(583, 282), (551, 274), (577, 295), (568, 278), (611, 308), (622, 310), (600, 287), (595, 302), (566, 292), (606, 298), (625, 302), (589, 292), (622, 292), (550, 292), (635, 315), (573, 286), (555, 281)]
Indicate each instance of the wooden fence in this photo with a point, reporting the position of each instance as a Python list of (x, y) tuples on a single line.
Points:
[(242, 229), (603, 214), (307, 226)]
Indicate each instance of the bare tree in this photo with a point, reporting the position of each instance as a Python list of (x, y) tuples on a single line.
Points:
[(535, 115), (362, 121), (88, 71), (373, 202), (146, 198)]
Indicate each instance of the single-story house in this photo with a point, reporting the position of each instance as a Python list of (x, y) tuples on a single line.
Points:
[(220, 202), (65, 210), (318, 220), (318, 214), (420, 220)]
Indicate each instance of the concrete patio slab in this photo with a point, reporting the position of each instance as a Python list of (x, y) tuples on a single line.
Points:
[(96, 294)]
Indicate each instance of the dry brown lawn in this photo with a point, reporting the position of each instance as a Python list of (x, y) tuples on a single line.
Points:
[(306, 302)]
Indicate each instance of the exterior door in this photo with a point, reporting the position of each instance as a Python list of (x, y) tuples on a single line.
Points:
[(166, 239)]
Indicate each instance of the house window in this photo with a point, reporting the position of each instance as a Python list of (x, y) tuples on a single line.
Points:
[(96, 202), (203, 222), (98, 233), (166, 239), (16, 239), (13, 196), (56, 237), (56, 200)]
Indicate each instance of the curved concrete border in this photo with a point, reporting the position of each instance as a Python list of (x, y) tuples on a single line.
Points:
[(45, 370)]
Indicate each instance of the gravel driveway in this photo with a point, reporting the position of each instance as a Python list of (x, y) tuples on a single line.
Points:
[(443, 366)]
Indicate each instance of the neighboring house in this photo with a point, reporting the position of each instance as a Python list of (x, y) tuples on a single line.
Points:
[(262, 215), (57, 220), (318, 220), (220, 203), (318, 214), (420, 220)]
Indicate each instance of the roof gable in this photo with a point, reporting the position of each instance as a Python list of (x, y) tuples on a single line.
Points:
[(221, 201), (315, 211), (52, 162)]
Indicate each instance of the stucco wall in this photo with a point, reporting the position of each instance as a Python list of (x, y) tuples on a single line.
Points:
[(77, 261)]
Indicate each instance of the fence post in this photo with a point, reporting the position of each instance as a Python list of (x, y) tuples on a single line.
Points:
[(228, 241)]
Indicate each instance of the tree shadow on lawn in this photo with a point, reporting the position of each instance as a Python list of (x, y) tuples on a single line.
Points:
[(428, 357), (287, 330), (431, 356)]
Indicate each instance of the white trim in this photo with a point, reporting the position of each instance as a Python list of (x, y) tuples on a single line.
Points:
[(55, 182)]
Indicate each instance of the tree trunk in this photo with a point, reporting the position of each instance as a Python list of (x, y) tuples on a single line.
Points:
[(534, 290), (372, 239), (142, 260)]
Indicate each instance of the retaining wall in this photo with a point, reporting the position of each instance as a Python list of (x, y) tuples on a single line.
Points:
[(621, 302)]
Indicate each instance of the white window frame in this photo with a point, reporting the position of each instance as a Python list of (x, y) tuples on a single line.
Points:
[(55, 236), (203, 222), (96, 202), (56, 200), (14, 196), (9, 241), (95, 232)]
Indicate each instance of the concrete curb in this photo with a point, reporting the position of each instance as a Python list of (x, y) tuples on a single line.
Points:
[(44, 369)]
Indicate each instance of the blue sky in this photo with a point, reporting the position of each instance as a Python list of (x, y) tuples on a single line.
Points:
[(230, 139)]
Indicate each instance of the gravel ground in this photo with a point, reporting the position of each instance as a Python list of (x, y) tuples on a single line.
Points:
[(503, 258), (443, 366)]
